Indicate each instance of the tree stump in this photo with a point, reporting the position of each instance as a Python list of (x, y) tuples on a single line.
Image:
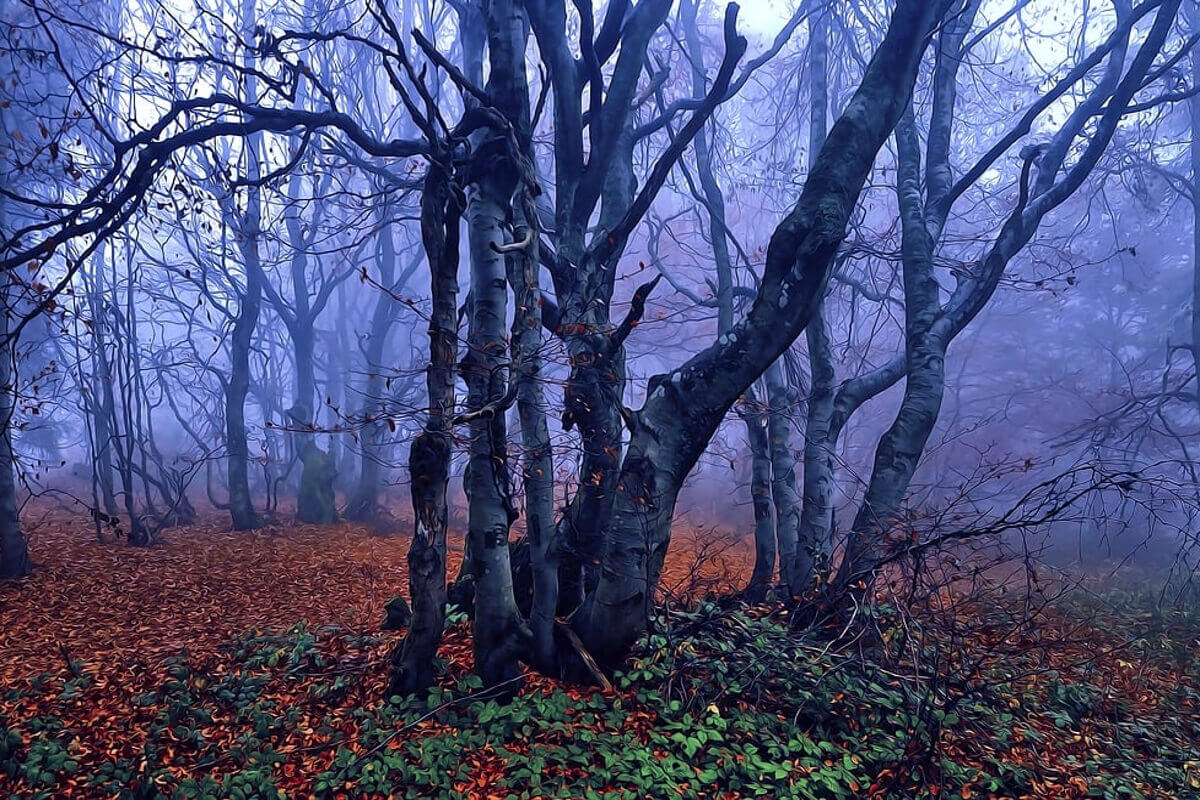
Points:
[(315, 502)]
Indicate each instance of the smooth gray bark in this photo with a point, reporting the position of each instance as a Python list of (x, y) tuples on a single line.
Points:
[(901, 446), (815, 538), (685, 406), (537, 467), (815, 535), (501, 636), (498, 639), (780, 402), (930, 329), (508, 37)]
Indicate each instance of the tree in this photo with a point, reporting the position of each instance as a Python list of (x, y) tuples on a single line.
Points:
[(236, 197), (686, 405), (14, 553), (928, 328)]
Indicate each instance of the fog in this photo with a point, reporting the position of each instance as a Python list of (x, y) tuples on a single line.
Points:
[(840, 280)]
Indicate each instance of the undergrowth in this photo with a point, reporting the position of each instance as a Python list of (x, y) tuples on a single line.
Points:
[(715, 703)]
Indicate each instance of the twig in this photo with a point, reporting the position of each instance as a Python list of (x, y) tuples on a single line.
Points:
[(588, 661)]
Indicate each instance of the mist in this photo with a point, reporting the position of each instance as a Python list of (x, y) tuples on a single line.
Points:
[(567, 327)]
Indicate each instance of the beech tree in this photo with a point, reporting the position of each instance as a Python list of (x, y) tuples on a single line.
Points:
[(259, 208), (929, 327)]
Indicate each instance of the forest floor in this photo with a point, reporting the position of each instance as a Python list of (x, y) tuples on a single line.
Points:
[(222, 665)]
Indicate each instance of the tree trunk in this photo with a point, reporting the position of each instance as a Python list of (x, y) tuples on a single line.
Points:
[(508, 32), (780, 401), (583, 281), (537, 471), (815, 539), (499, 631), (249, 234), (752, 413), (364, 505), (592, 394), (14, 553), (124, 379), (315, 495), (303, 412), (241, 508), (104, 417), (101, 393), (684, 407), (815, 536), (429, 456), (316, 502), (412, 661), (760, 494), (900, 448)]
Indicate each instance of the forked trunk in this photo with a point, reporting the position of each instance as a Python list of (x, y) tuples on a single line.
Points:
[(685, 406)]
